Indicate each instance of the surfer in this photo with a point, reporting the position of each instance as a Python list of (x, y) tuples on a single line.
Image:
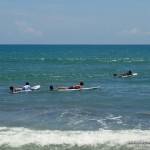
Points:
[(26, 86), (15, 89), (51, 88)]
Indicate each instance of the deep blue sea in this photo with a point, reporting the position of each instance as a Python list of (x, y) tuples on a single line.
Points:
[(114, 117)]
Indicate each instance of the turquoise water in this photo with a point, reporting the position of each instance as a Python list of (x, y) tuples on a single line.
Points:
[(112, 117)]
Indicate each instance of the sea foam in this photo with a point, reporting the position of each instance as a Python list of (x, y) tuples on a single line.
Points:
[(16, 137)]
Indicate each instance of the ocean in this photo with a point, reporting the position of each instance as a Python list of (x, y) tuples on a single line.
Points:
[(114, 117)]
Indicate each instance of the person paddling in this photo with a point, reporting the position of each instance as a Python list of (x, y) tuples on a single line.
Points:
[(25, 87), (51, 88)]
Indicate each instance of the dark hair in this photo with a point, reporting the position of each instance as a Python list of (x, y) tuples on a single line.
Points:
[(27, 83), (115, 75), (11, 88), (129, 71), (81, 83), (51, 87)]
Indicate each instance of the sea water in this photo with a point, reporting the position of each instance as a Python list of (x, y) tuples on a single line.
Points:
[(116, 116)]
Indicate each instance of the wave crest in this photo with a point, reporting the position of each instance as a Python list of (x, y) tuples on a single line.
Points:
[(16, 137)]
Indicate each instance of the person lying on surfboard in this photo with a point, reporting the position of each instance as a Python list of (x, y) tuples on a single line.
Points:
[(129, 73), (25, 87), (70, 87), (15, 89)]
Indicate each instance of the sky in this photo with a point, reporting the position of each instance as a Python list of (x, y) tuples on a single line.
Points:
[(74, 21)]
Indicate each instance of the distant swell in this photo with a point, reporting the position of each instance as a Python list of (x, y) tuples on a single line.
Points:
[(90, 60)]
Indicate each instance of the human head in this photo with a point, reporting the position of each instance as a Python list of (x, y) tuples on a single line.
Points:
[(81, 83), (51, 88), (11, 88), (115, 75), (27, 83)]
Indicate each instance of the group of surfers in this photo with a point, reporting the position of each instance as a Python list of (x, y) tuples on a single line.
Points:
[(25, 87), (129, 73), (51, 88)]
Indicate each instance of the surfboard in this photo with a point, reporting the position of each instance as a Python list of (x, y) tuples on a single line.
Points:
[(35, 87), (29, 90), (134, 74), (81, 89)]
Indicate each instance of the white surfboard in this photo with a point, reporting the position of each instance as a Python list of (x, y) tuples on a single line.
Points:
[(35, 87), (134, 74), (81, 89)]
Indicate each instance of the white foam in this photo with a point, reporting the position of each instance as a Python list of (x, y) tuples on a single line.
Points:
[(16, 137)]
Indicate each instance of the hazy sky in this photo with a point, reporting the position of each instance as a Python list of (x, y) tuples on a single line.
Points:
[(74, 21)]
